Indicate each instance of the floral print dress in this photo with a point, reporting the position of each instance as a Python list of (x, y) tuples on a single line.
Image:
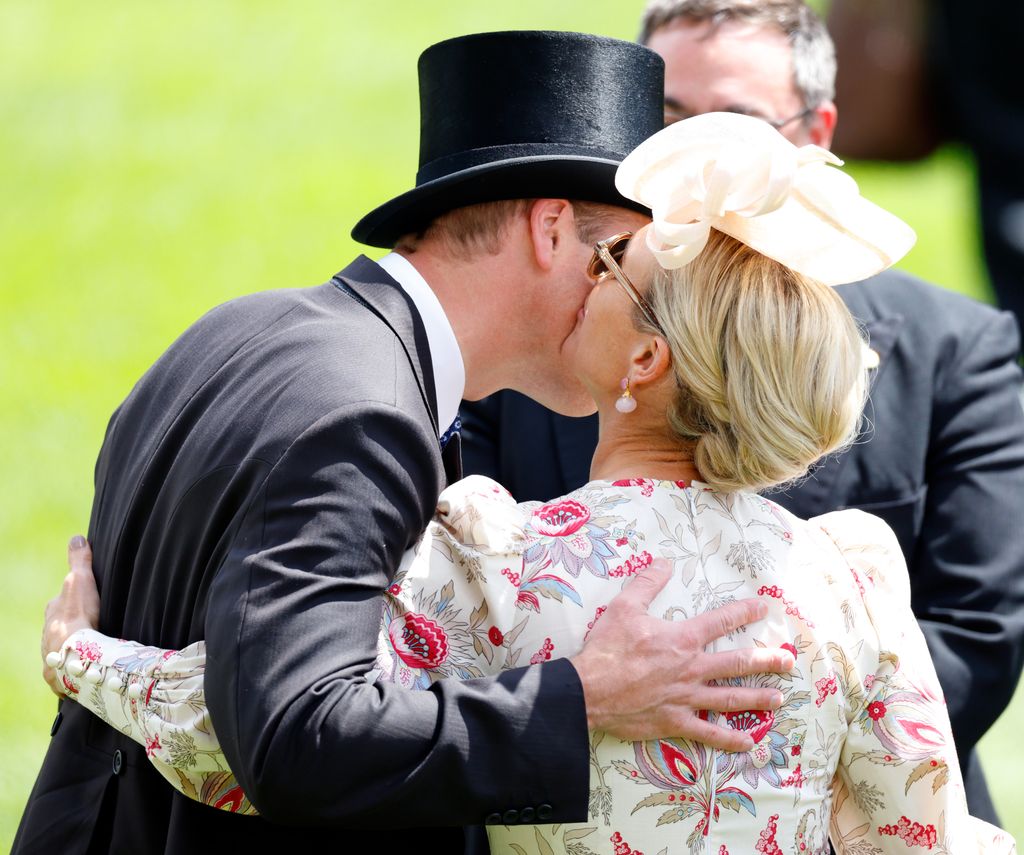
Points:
[(860, 750)]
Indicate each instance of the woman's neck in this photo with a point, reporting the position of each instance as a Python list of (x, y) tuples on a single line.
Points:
[(626, 451)]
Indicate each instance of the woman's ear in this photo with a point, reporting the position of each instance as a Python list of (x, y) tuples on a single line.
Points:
[(652, 360)]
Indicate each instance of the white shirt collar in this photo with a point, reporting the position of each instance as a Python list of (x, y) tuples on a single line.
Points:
[(445, 356)]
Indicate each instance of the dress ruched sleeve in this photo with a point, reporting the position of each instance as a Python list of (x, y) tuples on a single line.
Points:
[(157, 698), (898, 785)]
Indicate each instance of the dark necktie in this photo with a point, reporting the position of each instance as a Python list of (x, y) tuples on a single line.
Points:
[(451, 451)]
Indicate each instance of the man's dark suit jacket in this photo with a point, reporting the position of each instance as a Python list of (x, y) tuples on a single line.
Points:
[(941, 461), (257, 489)]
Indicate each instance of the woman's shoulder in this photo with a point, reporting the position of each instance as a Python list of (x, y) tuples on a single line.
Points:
[(868, 544)]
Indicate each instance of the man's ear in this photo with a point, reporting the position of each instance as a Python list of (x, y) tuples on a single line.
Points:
[(550, 220), (822, 124), (651, 361)]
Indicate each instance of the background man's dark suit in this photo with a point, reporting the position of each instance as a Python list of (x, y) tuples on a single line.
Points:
[(272, 538), (943, 466)]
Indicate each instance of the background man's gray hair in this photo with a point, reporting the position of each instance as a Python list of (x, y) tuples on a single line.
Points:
[(814, 56)]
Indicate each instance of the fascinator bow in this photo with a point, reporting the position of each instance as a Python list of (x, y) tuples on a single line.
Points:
[(739, 175)]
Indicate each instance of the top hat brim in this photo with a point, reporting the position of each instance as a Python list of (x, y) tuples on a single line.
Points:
[(584, 178)]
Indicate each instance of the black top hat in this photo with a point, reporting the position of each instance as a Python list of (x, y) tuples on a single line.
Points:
[(521, 115)]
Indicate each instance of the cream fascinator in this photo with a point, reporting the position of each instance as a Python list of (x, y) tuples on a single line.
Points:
[(739, 175)]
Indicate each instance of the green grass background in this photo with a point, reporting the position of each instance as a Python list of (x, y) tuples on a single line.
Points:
[(157, 159)]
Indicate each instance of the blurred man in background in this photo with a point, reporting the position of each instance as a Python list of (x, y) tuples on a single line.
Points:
[(942, 459), (920, 73)]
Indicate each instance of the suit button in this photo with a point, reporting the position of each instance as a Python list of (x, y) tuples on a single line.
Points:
[(511, 817), (493, 819), (544, 812), (118, 762), (56, 724), (527, 815)]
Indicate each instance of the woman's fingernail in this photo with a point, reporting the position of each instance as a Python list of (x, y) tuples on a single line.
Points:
[(77, 542)]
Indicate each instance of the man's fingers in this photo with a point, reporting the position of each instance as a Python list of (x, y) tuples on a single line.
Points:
[(720, 622), (736, 698), (746, 662), (645, 586), (725, 738)]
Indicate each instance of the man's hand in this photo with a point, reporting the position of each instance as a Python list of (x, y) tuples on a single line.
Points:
[(76, 607), (647, 678)]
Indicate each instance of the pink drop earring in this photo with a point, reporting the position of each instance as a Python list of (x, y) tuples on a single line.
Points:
[(626, 402)]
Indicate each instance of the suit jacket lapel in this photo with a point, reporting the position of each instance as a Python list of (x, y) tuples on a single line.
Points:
[(367, 283)]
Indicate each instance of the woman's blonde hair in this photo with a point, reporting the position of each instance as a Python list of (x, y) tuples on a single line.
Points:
[(769, 365)]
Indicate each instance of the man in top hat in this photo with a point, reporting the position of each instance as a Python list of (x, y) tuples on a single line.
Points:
[(261, 482), (942, 459)]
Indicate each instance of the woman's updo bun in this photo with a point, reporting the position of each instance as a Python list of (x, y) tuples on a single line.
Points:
[(769, 365)]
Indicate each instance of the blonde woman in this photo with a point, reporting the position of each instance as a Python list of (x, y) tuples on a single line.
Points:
[(721, 363)]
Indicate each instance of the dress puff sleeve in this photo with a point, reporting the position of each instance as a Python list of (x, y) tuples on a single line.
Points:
[(451, 609), (448, 613), (898, 785)]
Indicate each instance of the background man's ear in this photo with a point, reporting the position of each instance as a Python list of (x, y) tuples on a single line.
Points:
[(822, 124)]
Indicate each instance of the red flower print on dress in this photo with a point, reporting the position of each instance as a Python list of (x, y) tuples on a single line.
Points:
[(395, 590), (766, 844), (797, 779), (646, 485), (755, 722), (826, 686), (560, 519), (791, 648), (88, 651), (71, 688), (634, 564), (913, 834), (905, 725), (622, 847), (777, 593), (574, 536), (544, 654), (859, 583), (495, 636), (513, 578), (876, 710), (232, 800), (153, 745), (221, 790), (418, 641)]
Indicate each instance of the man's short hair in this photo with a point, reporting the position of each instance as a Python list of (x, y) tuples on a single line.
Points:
[(814, 55), (480, 229)]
